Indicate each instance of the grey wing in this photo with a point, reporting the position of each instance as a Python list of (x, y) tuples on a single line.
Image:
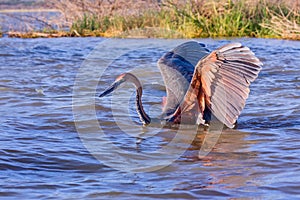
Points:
[(221, 82), (177, 68), (226, 81)]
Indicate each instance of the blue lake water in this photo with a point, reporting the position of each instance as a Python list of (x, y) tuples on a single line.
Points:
[(44, 151)]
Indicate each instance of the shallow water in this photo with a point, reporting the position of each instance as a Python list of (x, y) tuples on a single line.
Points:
[(49, 131)]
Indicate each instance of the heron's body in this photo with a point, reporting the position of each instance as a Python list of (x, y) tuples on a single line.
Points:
[(200, 83)]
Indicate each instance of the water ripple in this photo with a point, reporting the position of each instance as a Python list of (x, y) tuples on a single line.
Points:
[(42, 156)]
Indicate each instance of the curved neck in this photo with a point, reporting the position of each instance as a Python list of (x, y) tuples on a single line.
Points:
[(138, 101), (139, 107)]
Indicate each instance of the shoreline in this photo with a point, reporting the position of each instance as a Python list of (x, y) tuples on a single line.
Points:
[(54, 34), (61, 34), (74, 33)]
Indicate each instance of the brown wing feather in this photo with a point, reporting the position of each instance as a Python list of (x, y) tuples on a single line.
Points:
[(190, 107), (177, 68), (221, 82), (230, 69)]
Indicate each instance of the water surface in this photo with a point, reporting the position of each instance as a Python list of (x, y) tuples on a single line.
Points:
[(42, 155)]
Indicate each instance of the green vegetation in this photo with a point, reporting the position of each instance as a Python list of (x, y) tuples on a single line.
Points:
[(197, 19), (176, 18)]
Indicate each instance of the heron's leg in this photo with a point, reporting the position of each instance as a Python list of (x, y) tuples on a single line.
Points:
[(207, 115)]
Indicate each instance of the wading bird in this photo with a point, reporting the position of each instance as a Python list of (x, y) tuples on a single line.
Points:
[(200, 83)]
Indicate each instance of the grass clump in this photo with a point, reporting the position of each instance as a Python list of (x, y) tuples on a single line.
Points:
[(149, 23)]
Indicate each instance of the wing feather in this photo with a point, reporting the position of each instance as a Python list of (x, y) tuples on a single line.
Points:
[(237, 68), (177, 68), (224, 77)]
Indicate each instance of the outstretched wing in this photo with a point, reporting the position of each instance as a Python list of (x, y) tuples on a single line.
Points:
[(177, 68), (221, 83)]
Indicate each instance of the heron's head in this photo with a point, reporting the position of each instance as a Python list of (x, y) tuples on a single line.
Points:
[(119, 80)]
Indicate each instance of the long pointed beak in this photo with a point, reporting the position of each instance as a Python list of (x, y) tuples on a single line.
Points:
[(111, 88)]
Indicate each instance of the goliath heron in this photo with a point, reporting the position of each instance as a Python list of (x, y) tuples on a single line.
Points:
[(200, 83)]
